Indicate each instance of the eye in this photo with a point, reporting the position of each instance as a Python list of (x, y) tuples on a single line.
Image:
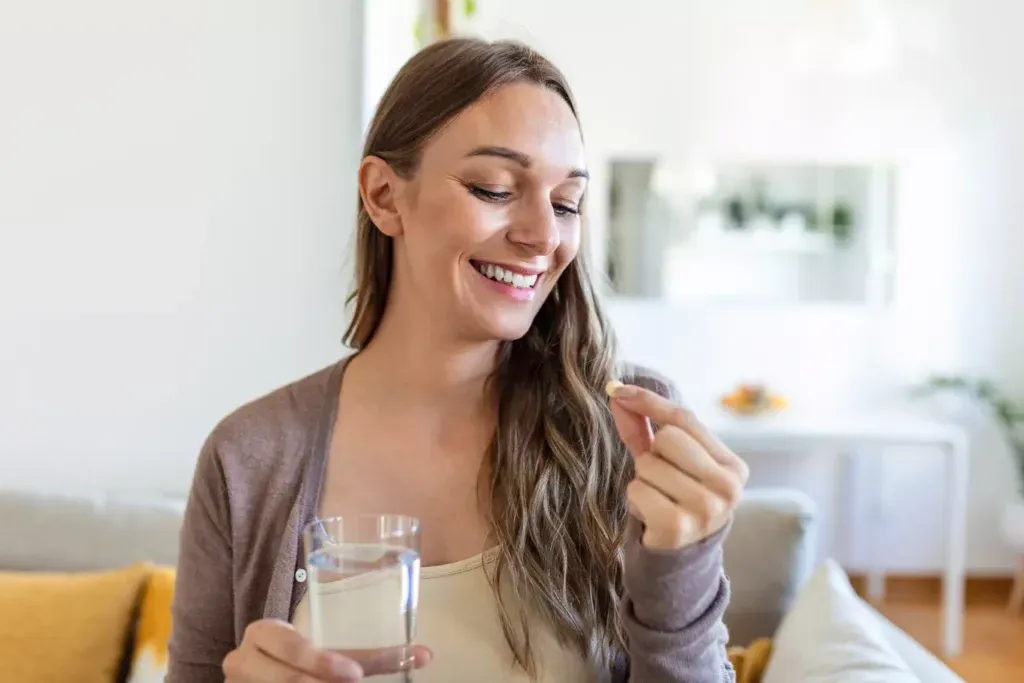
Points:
[(488, 195), (563, 210)]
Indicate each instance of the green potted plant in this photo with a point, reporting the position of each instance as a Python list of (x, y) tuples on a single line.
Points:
[(842, 222), (443, 17), (1009, 416), (737, 212)]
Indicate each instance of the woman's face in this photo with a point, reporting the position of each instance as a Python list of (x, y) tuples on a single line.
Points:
[(491, 218)]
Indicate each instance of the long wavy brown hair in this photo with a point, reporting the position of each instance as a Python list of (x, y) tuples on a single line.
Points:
[(557, 492)]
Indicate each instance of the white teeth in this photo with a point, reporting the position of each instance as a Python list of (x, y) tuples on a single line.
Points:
[(507, 276)]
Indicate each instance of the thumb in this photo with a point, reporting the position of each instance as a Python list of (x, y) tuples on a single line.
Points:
[(634, 429)]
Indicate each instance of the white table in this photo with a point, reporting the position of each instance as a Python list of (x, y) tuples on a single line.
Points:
[(849, 435)]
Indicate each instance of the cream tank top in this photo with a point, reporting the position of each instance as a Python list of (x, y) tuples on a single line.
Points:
[(457, 619)]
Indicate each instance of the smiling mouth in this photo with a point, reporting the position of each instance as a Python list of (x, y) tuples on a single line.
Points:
[(505, 276)]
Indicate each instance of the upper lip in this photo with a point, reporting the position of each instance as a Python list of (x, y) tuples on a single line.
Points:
[(521, 270)]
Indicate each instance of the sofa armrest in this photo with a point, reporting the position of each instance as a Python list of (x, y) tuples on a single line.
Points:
[(768, 554)]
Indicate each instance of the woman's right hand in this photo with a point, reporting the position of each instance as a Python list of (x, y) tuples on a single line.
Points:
[(272, 651)]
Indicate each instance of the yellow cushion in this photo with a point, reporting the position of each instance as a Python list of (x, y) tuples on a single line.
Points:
[(750, 662), (149, 657), (66, 627)]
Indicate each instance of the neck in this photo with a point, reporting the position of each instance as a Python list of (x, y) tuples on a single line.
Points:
[(420, 361)]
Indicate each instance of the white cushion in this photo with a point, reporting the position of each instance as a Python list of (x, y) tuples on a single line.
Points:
[(831, 636), (923, 663)]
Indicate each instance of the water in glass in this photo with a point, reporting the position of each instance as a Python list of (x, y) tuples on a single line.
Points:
[(363, 584)]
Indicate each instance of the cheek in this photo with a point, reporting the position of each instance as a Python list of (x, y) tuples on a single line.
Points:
[(455, 221), (568, 249), (569, 243)]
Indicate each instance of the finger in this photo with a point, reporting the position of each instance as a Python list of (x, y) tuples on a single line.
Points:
[(715, 447), (665, 412), (647, 403), (684, 452), (707, 507), (634, 429), (666, 525), (280, 641), (252, 665), (390, 660)]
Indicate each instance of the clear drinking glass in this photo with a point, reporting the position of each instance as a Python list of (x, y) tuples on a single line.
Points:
[(363, 575)]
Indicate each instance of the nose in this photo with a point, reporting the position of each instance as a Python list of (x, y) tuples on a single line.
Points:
[(535, 228)]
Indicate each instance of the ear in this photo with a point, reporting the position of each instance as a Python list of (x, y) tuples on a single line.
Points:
[(378, 188)]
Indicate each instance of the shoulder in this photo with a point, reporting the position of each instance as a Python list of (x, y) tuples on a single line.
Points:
[(652, 380), (284, 420)]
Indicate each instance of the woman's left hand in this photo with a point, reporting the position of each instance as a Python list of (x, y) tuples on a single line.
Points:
[(687, 481)]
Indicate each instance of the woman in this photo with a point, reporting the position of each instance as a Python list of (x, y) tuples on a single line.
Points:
[(476, 402)]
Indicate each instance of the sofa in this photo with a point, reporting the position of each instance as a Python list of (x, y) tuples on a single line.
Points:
[(778, 590)]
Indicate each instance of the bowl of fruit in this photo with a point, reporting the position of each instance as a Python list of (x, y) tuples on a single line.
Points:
[(752, 400)]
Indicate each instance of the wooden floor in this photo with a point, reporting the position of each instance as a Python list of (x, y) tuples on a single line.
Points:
[(993, 639)]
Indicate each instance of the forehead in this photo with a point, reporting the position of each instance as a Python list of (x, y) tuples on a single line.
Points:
[(524, 117)]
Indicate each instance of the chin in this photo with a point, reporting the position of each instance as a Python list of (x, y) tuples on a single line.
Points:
[(496, 313), (507, 330)]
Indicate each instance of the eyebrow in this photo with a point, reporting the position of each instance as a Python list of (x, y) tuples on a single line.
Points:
[(519, 158)]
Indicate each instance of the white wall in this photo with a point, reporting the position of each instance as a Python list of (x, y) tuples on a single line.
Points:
[(390, 40), (722, 79), (178, 191)]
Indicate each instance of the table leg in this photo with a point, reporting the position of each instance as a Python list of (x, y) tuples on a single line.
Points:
[(956, 548), (1016, 603), (875, 466), (876, 586)]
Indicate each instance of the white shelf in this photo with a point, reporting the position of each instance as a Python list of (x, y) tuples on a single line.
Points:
[(762, 241)]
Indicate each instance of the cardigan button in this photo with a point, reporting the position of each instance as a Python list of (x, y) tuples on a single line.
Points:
[(300, 575)]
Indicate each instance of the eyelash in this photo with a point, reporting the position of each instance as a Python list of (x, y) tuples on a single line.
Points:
[(561, 210)]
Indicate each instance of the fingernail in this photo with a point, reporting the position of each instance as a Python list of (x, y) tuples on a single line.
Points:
[(617, 389)]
